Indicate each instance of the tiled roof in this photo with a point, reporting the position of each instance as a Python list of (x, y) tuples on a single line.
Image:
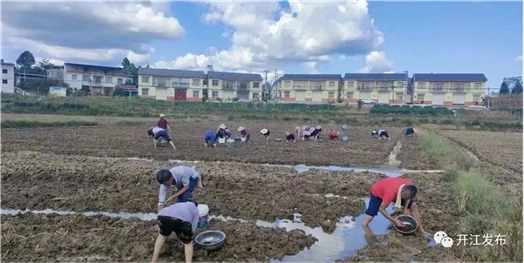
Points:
[(376, 76), (94, 66), (450, 77), (177, 73), (310, 77), (234, 76)]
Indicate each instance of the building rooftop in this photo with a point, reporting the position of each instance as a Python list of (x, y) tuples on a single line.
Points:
[(310, 77), (234, 76), (377, 76), (177, 73), (469, 77), (93, 66)]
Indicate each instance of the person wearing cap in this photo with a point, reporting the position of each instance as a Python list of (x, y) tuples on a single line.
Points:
[(162, 123), (157, 133), (223, 132), (333, 135), (184, 178), (245, 132), (290, 137), (380, 134), (265, 133), (393, 190), (209, 139), (181, 218)]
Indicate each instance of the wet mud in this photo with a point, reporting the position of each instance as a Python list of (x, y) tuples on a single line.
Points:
[(131, 141), (75, 238)]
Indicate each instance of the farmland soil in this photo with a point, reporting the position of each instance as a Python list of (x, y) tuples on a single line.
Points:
[(413, 157), (73, 238), (245, 191), (132, 141)]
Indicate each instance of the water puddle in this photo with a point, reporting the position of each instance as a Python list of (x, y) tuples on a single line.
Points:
[(392, 160), (120, 158)]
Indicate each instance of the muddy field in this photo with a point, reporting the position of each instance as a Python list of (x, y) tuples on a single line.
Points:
[(231, 189), (413, 157), (131, 141), (73, 238)]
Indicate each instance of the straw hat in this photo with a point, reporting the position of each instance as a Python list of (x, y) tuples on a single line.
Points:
[(263, 131), (240, 128), (319, 128), (162, 115), (222, 126)]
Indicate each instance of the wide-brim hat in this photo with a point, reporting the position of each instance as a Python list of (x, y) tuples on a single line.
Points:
[(264, 131), (162, 115), (319, 128), (241, 128), (222, 126)]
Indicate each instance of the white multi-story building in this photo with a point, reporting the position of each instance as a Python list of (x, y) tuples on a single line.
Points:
[(101, 80), (8, 77)]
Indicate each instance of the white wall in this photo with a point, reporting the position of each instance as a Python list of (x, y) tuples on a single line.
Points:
[(9, 77)]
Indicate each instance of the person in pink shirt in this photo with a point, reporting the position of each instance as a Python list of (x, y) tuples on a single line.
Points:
[(333, 135), (393, 190)]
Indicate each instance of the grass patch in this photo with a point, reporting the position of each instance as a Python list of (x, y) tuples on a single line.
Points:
[(35, 124), (442, 153)]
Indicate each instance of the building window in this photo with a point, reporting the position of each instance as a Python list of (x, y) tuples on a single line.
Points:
[(145, 79), (97, 79), (4, 81), (349, 94), (109, 79), (286, 94), (255, 96), (74, 77), (4, 71), (86, 78), (331, 84), (400, 84), (196, 82), (86, 69), (350, 84), (331, 94), (420, 96), (458, 87), (145, 92), (287, 83), (195, 93), (120, 81), (478, 86), (214, 82), (214, 94), (438, 87), (422, 85), (255, 85), (399, 96)]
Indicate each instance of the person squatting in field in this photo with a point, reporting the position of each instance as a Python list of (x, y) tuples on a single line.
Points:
[(209, 139), (410, 132), (184, 178), (223, 132), (156, 133), (245, 132), (290, 137), (380, 134), (393, 190), (181, 218), (265, 133), (306, 132)]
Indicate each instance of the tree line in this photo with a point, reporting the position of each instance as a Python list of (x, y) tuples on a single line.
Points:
[(511, 85)]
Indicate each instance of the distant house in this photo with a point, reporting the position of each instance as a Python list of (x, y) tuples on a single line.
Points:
[(383, 88), (449, 89), (8, 77), (171, 84), (229, 85), (309, 88), (101, 80)]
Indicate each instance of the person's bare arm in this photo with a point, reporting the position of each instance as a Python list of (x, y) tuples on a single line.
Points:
[(383, 211), (178, 193)]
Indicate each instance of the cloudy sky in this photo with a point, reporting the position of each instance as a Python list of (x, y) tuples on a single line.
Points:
[(289, 37)]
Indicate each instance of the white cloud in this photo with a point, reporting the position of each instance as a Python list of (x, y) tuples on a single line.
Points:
[(56, 62), (376, 62), (518, 59), (89, 31), (342, 57)]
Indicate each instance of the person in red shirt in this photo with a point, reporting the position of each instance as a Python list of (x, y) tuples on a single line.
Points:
[(385, 192), (162, 123)]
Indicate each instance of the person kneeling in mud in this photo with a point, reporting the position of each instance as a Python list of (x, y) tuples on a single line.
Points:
[(156, 133), (181, 218), (393, 190), (380, 134), (184, 178), (265, 133)]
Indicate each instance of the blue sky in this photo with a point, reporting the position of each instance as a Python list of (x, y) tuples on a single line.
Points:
[(445, 37)]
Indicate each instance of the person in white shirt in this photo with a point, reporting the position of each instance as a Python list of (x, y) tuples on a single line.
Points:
[(184, 178), (181, 218), (157, 133)]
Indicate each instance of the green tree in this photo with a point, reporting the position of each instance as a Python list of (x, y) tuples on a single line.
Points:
[(359, 104), (25, 61), (504, 88), (517, 89), (131, 71)]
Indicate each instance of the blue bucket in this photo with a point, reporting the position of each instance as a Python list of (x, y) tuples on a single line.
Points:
[(345, 138)]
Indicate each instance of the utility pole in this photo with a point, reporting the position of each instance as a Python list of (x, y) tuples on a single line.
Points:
[(266, 90)]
